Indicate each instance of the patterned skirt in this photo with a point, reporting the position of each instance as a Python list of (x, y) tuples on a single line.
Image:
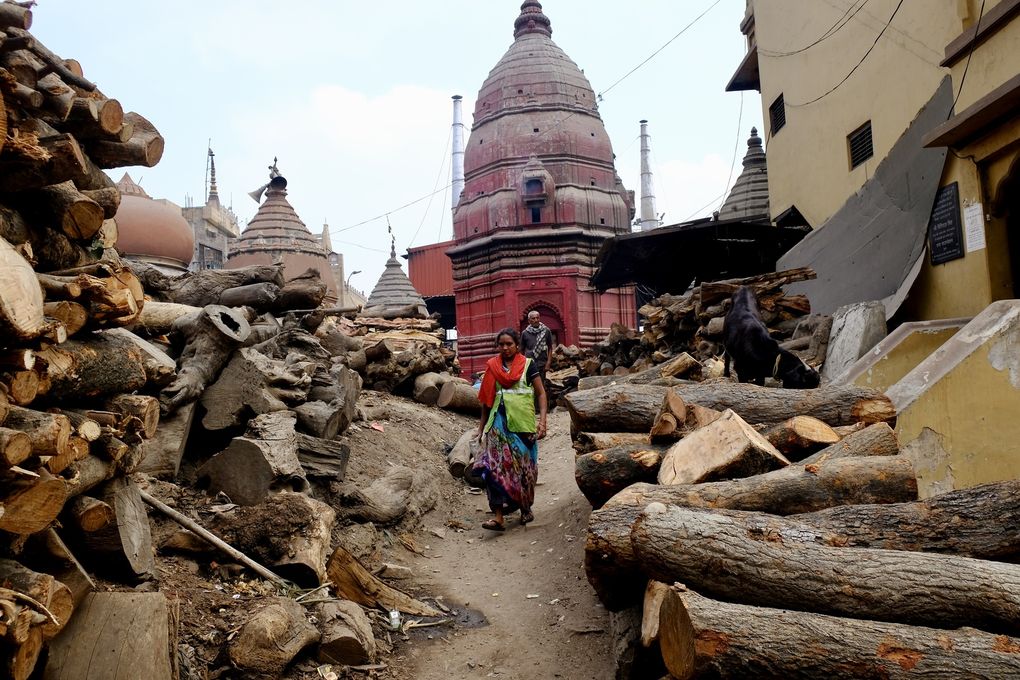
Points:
[(509, 465)]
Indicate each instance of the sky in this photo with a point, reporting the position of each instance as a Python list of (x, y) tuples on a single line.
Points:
[(354, 99)]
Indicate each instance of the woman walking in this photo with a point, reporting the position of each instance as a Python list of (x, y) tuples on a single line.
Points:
[(509, 430)]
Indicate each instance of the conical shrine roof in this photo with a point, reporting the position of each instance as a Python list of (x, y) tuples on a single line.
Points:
[(749, 197), (393, 293)]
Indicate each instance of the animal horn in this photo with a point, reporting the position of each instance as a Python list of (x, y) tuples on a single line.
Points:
[(257, 194)]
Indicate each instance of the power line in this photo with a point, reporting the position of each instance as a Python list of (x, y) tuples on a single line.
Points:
[(736, 144), (854, 69), (970, 53), (439, 176), (389, 212), (832, 30)]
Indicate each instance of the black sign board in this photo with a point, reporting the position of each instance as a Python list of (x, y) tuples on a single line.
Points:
[(945, 229)]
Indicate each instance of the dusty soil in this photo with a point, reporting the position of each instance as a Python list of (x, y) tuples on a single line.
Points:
[(519, 605)]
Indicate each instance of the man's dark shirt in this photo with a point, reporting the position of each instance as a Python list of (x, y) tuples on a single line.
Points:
[(535, 344)]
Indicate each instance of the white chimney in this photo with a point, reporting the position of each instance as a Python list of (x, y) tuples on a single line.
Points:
[(457, 175), (648, 219)]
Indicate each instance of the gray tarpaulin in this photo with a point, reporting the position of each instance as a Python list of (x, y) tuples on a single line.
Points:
[(871, 249)]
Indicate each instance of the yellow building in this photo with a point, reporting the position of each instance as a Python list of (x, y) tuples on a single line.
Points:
[(841, 82)]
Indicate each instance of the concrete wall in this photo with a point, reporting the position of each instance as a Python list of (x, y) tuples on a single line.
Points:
[(958, 409), (901, 352)]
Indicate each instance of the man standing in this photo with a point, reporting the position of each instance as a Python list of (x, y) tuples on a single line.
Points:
[(535, 342)]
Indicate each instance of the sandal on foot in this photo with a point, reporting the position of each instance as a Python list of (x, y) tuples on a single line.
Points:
[(493, 525), (527, 517)]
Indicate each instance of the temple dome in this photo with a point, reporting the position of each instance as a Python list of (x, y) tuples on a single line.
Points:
[(536, 103), (749, 198), (152, 231), (394, 294), (277, 235)]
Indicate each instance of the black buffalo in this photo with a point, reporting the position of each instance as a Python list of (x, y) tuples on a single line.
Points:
[(755, 354)]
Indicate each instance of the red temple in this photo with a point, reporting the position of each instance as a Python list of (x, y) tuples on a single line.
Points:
[(541, 195)]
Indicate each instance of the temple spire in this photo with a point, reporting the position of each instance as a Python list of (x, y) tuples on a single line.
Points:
[(532, 20), (214, 196)]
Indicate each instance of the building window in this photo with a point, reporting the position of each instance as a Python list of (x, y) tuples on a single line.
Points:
[(777, 115), (536, 215), (533, 187), (859, 145)]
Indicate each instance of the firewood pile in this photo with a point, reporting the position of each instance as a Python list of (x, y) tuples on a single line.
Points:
[(692, 323), (788, 525), (108, 368)]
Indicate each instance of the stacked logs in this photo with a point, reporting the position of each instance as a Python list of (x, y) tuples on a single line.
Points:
[(692, 323), (741, 527)]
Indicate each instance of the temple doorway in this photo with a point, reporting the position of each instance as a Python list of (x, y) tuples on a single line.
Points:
[(551, 318)]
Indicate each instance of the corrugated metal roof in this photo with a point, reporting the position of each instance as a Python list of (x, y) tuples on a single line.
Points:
[(430, 270)]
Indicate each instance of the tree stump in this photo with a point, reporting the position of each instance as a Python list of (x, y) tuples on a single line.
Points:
[(347, 637), (460, 397), (271, 639)]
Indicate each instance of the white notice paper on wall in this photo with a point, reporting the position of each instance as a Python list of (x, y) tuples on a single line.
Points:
[(974, 226)]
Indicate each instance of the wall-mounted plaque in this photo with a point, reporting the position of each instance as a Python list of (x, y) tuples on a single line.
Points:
[(945, 230)]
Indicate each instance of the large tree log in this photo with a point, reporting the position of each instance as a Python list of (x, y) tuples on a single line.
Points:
[(254, 383), (700, 637), (323, 458), (724, 449), (613, 569), (94, 365), (800, 436), (602, 474), (132, 629), (210, 336), (204, 287), (874, 440), (261, 462), (460, 456), (157, 318), (304, 291), (21, 300), (257, 295), (160, 369), (271, 639), (632, 408), (587, 442), (460, 397), (427, 386), (352, 581), (387, 499), (163, 453), (319, 418), (144, 148), (674, 544), (62, 207)]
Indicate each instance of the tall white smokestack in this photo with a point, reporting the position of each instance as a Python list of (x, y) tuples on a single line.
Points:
[(457, 174), (648, 220)]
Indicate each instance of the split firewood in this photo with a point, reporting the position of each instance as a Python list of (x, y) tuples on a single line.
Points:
[(354, 582), (210, 336), (15, 447), (874, 440), (166, 449), (609, 559), (347, 637), (115, 622), (655, 593), (631, 408), (601, 475), (725, 449), (125, 543), (679, 366), (305, 291), (21, 301), (48, 432), (586, 442), (143, 407), (73, 315), (845, 430), (254, 383), (271, 639), (674, 543), (22, 387), (800, 436), (460, 397), (668, 422), (255, 465), (793, 644)]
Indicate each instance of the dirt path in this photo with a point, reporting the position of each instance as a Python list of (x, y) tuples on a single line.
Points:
[(543, 618)]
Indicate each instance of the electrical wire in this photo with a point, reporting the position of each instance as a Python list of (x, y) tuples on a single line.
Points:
[(736, 145), (854, 69), (832, 30), (439, 176), (963, 79)]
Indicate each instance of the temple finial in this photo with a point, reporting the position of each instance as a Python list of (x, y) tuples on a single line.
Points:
[(532, 20)]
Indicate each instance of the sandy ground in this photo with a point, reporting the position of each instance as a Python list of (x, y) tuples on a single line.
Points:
[(528, 582)]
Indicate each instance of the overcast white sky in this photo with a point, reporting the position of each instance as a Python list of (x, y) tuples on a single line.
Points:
[(354, 98)]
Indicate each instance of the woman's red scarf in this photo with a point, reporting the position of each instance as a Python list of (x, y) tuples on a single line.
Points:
[(494, 372)]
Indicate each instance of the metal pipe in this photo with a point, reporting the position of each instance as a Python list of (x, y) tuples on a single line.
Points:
[(648, 220), (457, 171)]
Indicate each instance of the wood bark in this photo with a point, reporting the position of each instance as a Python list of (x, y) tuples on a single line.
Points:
[(165, 451), (800, 436), (88, 514), (132, 629), (586, 442), (15, 447), (669, 420), (384, 501), (460, 397), (601, 475), (261, 462), (613, 569), (305, 291), (354, 582), (257, 295), (210, 336), (48, 432), (347, 636), (725, 449), (427, 386), (157, 318), (631, 408), (700, 637), (674, 544), (160, 369), (319, 418), (204, 287), (874, 440), (96, 365)]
